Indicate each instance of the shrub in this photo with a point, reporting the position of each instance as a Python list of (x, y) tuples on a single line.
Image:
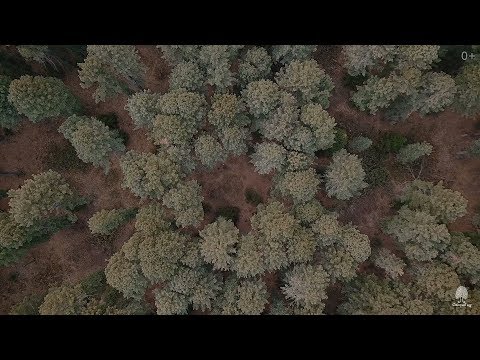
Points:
[(391, 143), (94, 284), (252, 197), (109, 119), (62, 157), (340, 141), (229, 212), (3, 193)]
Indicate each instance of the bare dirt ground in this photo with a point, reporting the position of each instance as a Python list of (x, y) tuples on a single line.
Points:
[(72, 253), (226, 185)]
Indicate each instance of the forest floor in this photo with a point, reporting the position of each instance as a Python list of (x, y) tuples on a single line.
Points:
[(73, 253)]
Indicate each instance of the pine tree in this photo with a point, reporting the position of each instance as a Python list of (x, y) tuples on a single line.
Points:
[(268, 156), (370, 295), (39, 97), (159, 257), (359, 144), (186, 75), (105, 222), (412, 152), (345, 176), (9, 117), (93, 141), (111, 68), (255, 65), (261, 97), (306, 287), (149, 175), (301, 186), (143, 108), (62, 300), (218, 243), (45, 196), (467, 101), (418, 232), (209, 151), (287, 53), (464, 257), (444, 204), (186, 201), (389, 262), (125, 276), (307, 81)]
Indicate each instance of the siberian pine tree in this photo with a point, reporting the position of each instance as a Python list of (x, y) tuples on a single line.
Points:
[(370, 295), (174, 54), (261, 97), (467, 100), (359, 59), (209, 151), (309, 212), (142, 108), (350, 248), (359, 144), (280, 123), (218, 243), (159, 257), (105, 222), (464, 257), (255, 65), (187, 75), (389, 262), (190, 106), (226, 111), (345, 176), (297, 161), (93, 141), (169, 302), (215, 61), (301, 246), (444, 204), (242, 297), (186, 201), (320, 123), (43, 197), (418, 232), (274, 222), (151, 219), (234, 139), (268, 156), (305, 286), (172, 130), (301, 186), (62, 300), (39, 97), (249, 260), (149, 175), (12, 236), (37, 53), (111, 69), (9, 117), (412, 152), (125, 276), (287, 53), (435, 281), (307, 81)]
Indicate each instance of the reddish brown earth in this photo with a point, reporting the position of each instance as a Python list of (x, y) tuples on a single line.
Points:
[(73, 253)]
